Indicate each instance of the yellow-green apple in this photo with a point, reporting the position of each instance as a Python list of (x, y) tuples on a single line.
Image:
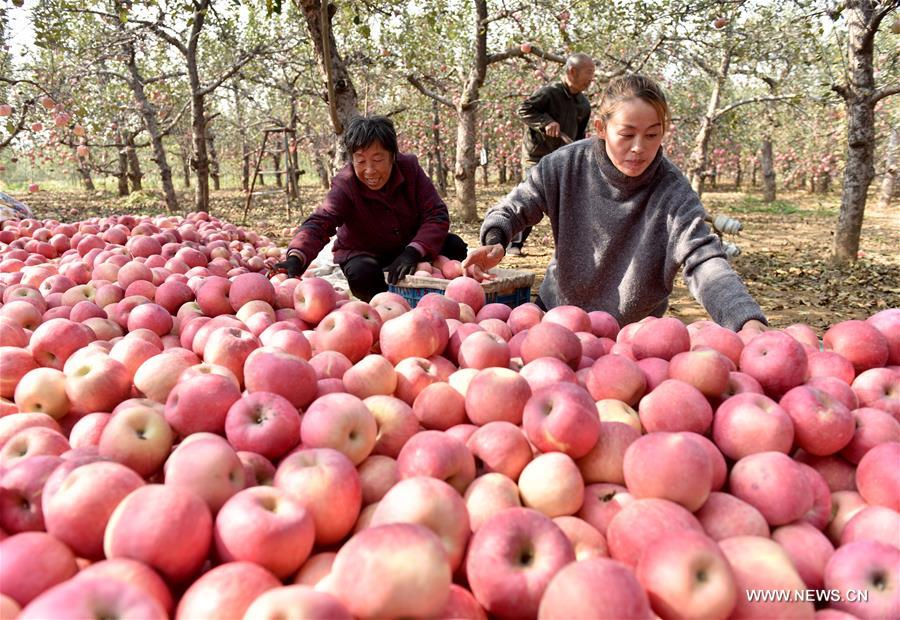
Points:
[(616, 376), (264, 423), (314, 298), (725, 341), (212, 296), (438, 455), (30, 442), (377, 474), (17, 362), (776, 360), (613, 410), (761, 564), (134, 573), (641, 522), (860, 342), (138, 437), (489, 494), (340, 421), (552, 484), (433, 504), (497, 394), (880, 388), (603, 463), (774, 484), (547, 339), (33, 562), (230, 347), (249, 287), (605, 589), (269, 369), (439, 407), (297, 601), (877, 475), (330, 364), (91, 597), (500, 447), (98, 383), (258, 470), (686, 575), (200, 403), (156, 377), (512, 558), (181, 524), (809, 550), (395, 423), (587, 541), (674, 405), (345, 332), (562, 417), (837, 389), (723, 515), (705, 369), (78, 511), (844, 506), (888, 323), (326, 482), (265, 526), (21, 490), (370, 376), (867, 574), (673, 466), (749, 423), (873, 523), (524, 317), (209, 468), (226, 591), (412, 334), (55, 340), (822, 425)]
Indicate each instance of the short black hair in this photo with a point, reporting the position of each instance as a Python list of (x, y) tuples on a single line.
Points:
[(362, 131)]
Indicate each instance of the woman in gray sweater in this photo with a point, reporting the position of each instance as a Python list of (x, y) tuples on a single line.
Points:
[(624, 220)]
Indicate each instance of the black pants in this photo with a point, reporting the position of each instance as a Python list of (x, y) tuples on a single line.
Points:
[(365, 274)]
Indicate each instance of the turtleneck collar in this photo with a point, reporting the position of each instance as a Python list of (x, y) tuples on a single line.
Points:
[(620, 181)]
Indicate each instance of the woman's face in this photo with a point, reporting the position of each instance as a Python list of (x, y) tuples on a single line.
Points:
[(633, 135), (372, 165)]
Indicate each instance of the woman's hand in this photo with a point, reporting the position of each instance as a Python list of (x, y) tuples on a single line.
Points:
[(484, 258)]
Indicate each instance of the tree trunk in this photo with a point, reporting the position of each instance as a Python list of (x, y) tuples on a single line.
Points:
[(84, 171), (768, 169), (242, 136), (213, 159), (322, 171), (440, 168), (501, 172), (753, 170), (149, 115), (342, 98), (122, 164), (889, 182), (276, 165), (738, 177), (699, 156), (858, 98), (135, 175), (183, 151), (823, 186)]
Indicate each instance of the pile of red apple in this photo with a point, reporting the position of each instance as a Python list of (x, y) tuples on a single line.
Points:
[(183, 436)]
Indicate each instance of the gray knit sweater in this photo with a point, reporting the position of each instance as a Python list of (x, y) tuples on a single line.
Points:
[(621, 240)]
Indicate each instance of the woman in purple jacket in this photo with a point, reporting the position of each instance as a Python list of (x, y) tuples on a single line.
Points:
[(385, 210)]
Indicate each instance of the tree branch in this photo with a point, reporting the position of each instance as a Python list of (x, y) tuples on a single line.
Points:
[(417, 83), (737, 104), (884, 92), (234, 69), (842, 90), (877, 18), (516, 52)]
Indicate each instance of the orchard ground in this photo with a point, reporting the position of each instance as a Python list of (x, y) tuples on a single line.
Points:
[(784, 260)]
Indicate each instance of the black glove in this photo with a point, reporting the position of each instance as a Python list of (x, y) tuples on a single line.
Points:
[(403, 265), (293, 265)]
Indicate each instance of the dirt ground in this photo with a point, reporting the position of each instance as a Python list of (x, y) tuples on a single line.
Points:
[(785, 246)]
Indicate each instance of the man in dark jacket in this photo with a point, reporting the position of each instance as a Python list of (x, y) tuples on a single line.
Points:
[(554, 115)]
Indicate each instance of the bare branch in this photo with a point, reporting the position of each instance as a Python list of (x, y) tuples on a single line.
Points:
[(417, 83), (516, 52), (885, 91), (743, 102), (842, 90), (234, 69)]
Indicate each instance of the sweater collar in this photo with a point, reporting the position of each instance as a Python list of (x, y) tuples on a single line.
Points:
[(618, 179)]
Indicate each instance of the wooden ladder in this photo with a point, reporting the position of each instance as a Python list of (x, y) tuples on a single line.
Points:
[(279, 146)]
